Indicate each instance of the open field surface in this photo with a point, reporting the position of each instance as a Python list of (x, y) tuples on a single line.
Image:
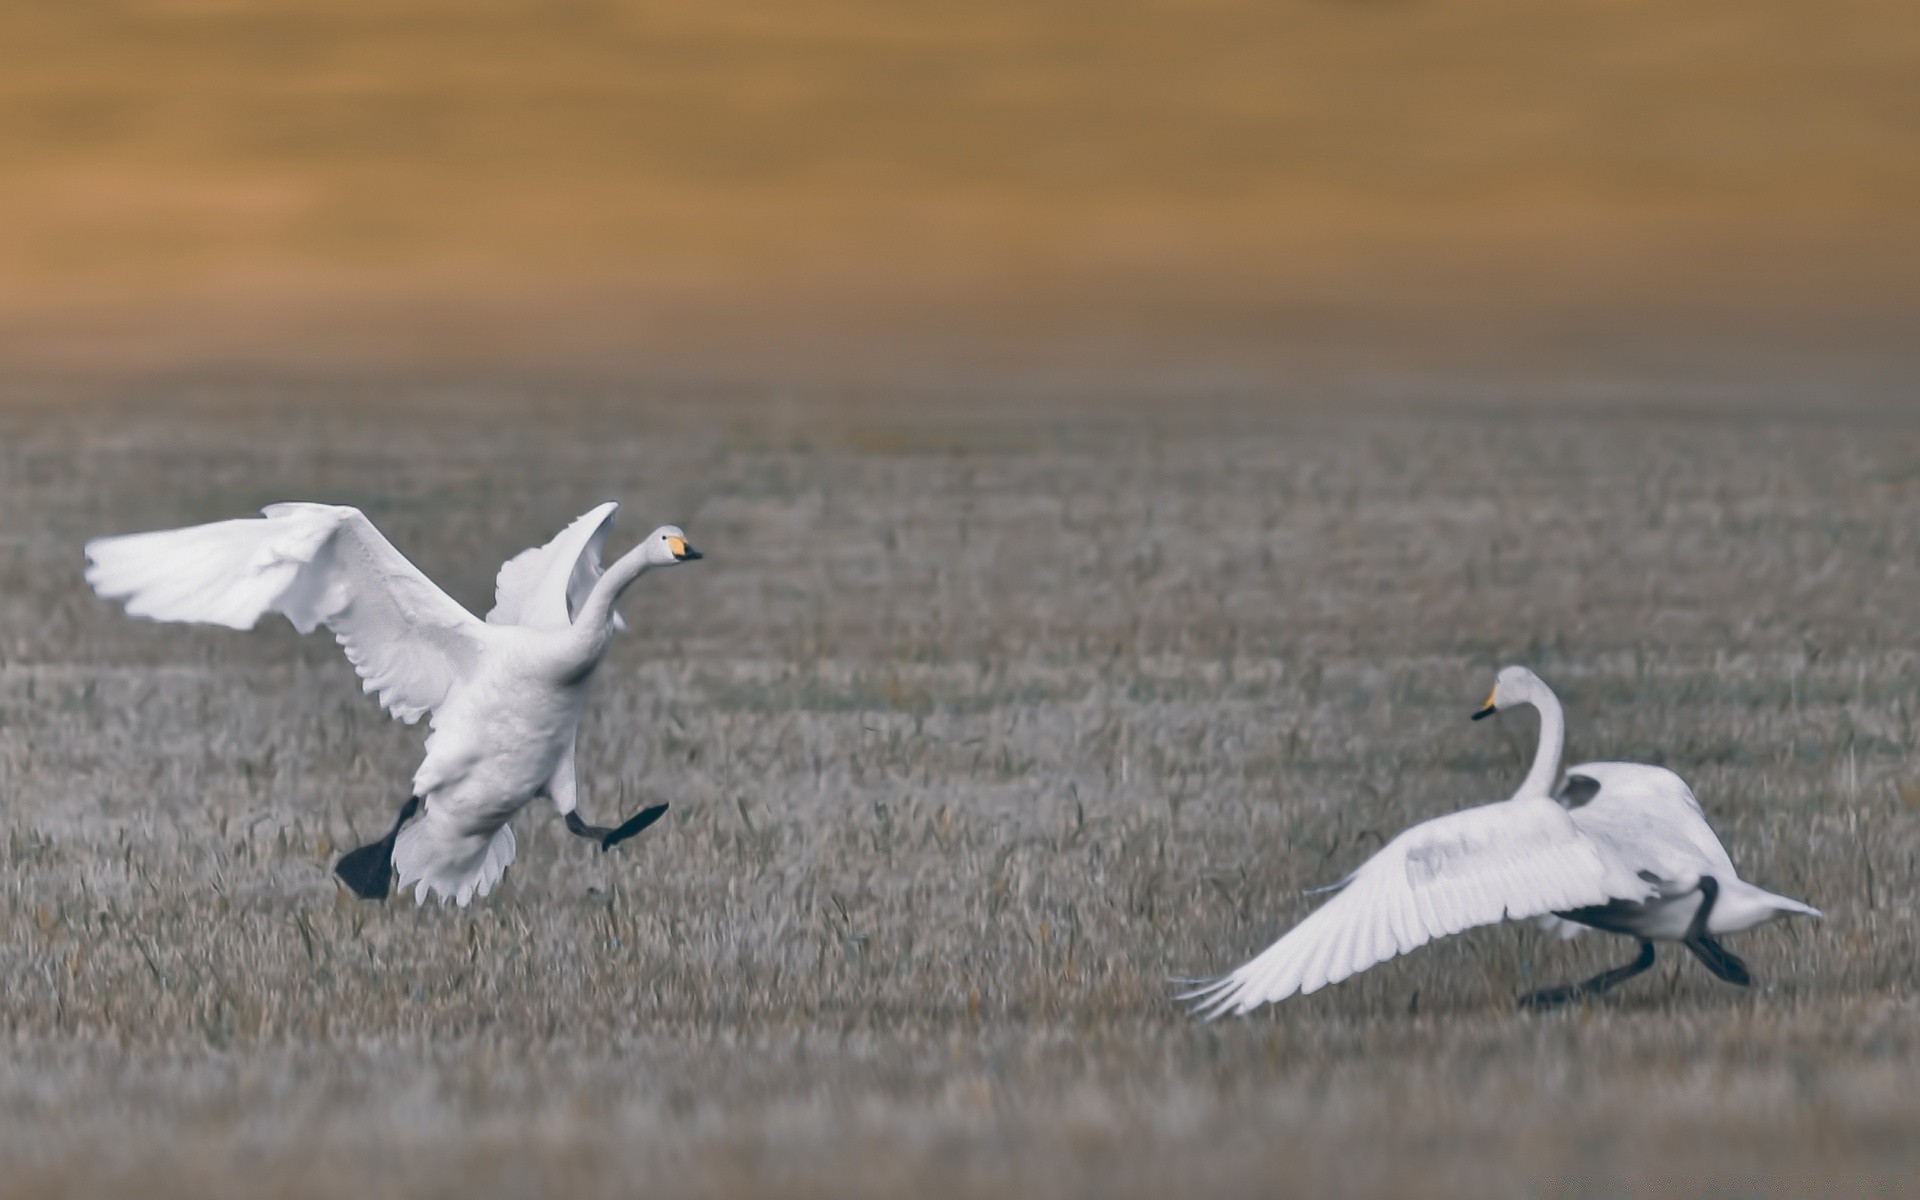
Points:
[(978, 722)]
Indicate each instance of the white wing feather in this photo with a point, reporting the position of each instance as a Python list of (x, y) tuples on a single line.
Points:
[(1647, 817), (1515, 859), (318, 564), (545, 586)]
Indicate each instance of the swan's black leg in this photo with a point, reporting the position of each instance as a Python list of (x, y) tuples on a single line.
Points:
[(609, 838), (1553, 997), (1709, 892), (1705, 947), (369, 870)]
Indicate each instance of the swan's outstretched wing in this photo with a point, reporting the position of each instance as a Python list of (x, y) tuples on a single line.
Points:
[(319, 564), (545, 586), (1518, 858)]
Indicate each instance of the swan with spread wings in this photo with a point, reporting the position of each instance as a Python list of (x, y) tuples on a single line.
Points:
[(504, 695), (1621, 847)]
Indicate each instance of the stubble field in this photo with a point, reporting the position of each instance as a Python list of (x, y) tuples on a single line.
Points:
[(979, 721)]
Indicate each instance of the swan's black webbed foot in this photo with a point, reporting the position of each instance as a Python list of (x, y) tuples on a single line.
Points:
[(1567, 993), (609, 838), (369, 870), (633, 825), (1719, 960)]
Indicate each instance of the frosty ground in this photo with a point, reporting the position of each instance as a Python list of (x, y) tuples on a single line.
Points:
[(984, 716)]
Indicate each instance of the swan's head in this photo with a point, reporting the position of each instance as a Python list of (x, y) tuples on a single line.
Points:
[(1513, 685), (667, 545)]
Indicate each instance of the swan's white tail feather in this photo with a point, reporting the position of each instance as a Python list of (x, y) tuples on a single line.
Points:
[(1788, 905), (433, 855), (1742, 906)]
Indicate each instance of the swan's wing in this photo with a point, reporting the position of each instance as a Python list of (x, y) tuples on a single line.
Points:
[(545, 586), (1518, 858), (319, 564), (1647, 817)]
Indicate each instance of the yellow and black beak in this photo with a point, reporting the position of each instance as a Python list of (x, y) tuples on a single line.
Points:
[(682, 551), (1489, 708)]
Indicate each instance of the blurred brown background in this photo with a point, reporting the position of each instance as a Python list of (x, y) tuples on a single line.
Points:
[(775, 183)]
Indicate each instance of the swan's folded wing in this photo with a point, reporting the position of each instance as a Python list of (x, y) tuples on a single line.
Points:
[(318, 564), (545, 586), (1519, 858), (1648, 817)]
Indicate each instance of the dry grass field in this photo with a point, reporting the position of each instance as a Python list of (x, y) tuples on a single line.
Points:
[(980, 720)]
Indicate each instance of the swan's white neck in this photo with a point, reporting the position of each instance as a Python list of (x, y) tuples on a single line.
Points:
[(594, 621), (1553, 742)]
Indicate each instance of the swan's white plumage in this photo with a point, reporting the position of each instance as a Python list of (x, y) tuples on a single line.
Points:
[(433, 855), (505, 694), (1647, 818), (1518, 858), (542, 588), (318, 564), (1630, 839), (564, 787)]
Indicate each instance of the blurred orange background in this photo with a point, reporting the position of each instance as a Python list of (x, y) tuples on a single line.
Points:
[(780, 183)]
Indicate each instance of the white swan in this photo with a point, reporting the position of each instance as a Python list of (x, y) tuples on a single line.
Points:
[(505, 694), (1527, 856), (1646, 817)]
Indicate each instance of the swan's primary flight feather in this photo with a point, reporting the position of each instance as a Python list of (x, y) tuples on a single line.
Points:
[(505, 694), (317, 564)]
